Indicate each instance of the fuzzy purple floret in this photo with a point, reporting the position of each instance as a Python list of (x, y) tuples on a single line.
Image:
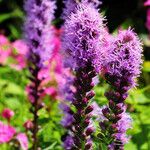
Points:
[(68, 142), (39, 15), (123, 58), (83, 33), (71, 5)]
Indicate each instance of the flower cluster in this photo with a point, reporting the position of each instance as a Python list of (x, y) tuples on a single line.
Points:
[(8, 133), (123, 60), (7, 114), (37, 29), (16, 50), (121, 67), (83, 33)]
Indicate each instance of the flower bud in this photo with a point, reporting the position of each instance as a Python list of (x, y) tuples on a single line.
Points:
[(7, 113), (88, 109), (89, 131)]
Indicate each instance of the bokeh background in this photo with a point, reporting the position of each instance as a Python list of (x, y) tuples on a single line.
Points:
[(119, 14)]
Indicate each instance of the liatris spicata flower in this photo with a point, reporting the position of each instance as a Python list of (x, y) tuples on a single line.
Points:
[(83, 33), (38, 35), (37, 29), (120, 69), (71, 5)]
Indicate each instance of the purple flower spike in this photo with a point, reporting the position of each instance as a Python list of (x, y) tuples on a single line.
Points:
[(39, 15), (38, 34), (83, 35), (123, 59), (121, 67), (82, 39)]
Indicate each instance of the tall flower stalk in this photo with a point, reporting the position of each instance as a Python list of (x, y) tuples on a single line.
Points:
[(39, 14), (83, 33), (120, 69)]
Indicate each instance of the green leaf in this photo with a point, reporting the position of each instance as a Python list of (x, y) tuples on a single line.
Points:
[(51, 146), (146, 66), (11, 88)]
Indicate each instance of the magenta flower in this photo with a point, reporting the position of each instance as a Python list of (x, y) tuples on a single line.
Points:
[(23, 140), (7, 114), (28, 125), (147, 3), (7, 132), (19, 53), (83, 33)]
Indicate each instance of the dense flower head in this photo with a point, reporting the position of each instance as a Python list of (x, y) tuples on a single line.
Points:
[(37, 28), (123, 58), (7, 113), (83, 35), (7, 132)]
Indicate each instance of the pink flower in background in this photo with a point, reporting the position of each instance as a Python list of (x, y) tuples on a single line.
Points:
[(51, 74), (7, 113), (3, 40), (147, 3), (20, 46), (19, 54), (5, 49), (148, 20), (23, 140), (7, 132), (28, 124), (51, 91)]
